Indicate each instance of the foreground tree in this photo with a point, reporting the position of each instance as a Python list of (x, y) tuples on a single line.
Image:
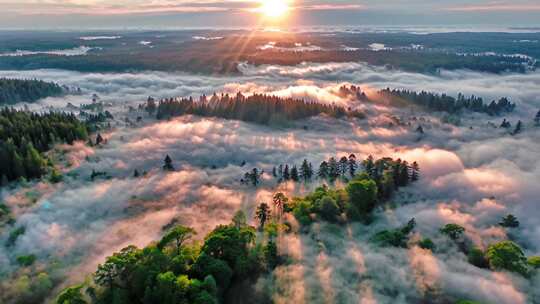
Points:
[(179, 235)]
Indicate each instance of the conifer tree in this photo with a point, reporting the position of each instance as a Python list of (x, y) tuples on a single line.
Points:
[(168, 166)]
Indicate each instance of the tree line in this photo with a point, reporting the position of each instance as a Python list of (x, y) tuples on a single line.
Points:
[(257, 108), (17, 90), (435, 102), (178, 270), (24, 136), (388, 174), (363, 192)]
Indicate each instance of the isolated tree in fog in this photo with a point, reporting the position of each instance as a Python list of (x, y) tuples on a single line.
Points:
[(168, 164), (453, 231), (509, 221), (179, 235), (279, 199), (517, 130), (537, 119), (99, 139), (262, 214)]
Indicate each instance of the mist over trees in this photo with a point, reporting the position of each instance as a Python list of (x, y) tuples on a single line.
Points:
[(24, 136), (434, 101), (16, 90), (257, 108), (177, 270)]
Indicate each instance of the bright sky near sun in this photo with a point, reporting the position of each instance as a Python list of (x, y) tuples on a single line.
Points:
[(85, 13)]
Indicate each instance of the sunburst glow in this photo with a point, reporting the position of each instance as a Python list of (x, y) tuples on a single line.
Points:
[(274, 8)]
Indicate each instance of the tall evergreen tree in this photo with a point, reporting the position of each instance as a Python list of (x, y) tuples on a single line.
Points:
[(324, 171), (262, 214), (294, 174), (353, 166), (343, 166), (305, 171), (333, 169), (415, 172), (286, 174), (168, 166)]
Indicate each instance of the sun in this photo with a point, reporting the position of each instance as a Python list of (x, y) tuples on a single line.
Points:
[(274, 8)]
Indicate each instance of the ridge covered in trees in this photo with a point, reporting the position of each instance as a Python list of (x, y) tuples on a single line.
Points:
[(436, 102), (178, 270), (17, 90), (388, 174), (257, 108), (24, 136), (356, 201)]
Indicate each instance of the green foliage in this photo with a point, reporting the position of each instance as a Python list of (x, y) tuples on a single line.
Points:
[(26, 260), (188, 274), (257, 108), (477, 258), (71, 295), (427, 243), (178, 235), (534, 262), (453, 231), (329, 210), (14, 235), (262, 214), (387, 238), (467, 302), (56, 176), (447, 103), (24, 135), (17, 90), (507, 255), (362, 195), (394, 238)]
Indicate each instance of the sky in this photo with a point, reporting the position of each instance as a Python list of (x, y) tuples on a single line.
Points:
[(41, 14)]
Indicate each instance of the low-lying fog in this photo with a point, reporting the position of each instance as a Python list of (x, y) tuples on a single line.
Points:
[(472, 175)]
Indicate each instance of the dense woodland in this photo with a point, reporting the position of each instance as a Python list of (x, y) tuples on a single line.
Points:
[(257, 108), (24, 136), (178, 270), (436, 102), (16, 90)]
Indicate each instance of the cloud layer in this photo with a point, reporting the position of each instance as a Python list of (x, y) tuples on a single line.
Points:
[(472, 174)]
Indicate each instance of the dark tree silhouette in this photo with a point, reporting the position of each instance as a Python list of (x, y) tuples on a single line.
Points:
[(168, 166)]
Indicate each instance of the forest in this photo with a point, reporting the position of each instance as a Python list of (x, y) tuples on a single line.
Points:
[(18, 90), (257, 108), (435, 102), (24, 136), (178, 269)]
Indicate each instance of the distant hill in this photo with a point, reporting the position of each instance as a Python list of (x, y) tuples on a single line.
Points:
[(17, 90)]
